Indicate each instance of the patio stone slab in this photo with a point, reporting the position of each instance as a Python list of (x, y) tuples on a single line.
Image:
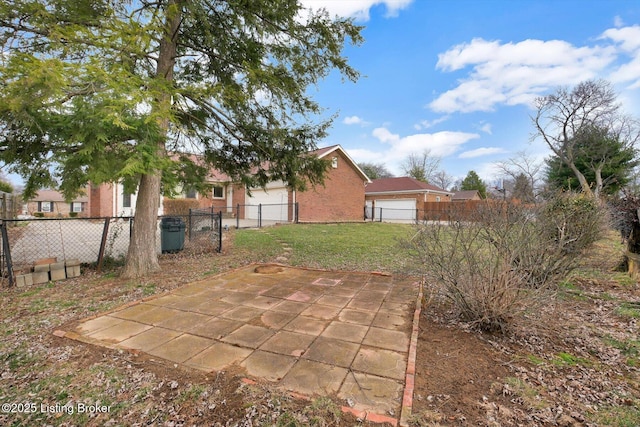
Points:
[(345, 331), (147, 313), (388, 320), (270, 366), (276, 320), (290, 307), (184, 321), (242, 313), (120, 331), (313, 378), (384, 363), (94, 325), (359, 317), (306, 325), (289, 343), (332, 351), (385, 338), (370, 392), (213, 307), (218, 357), (319, 311), (149, 339), (249, 336), (181, 348), (216, 328)]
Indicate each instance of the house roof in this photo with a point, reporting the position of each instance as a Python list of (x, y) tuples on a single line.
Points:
[(465, 195), (402, 184), (218, 176), (325, 151), (55, 196)]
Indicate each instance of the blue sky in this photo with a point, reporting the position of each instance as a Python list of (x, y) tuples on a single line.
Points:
[(458, 77)]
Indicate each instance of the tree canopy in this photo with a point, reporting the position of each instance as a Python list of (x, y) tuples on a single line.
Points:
[(375, 170), (473, 182), (96, 91), (570, 120), (421, 166), (595, 146)]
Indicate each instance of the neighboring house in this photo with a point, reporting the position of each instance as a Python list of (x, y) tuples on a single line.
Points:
[(341, 198), (401, 198), (51, 203), (465, 195)]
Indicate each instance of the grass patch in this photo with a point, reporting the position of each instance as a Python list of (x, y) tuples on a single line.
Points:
[(629, 309), (361, 247), (628, 348), (619, 416), (567, 359)]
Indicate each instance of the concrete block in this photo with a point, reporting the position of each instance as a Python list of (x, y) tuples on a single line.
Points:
[(72, 262), (73, 271), (45, 261), (41, 268), (19, 281), (40, 277), (27, 278), (58, 274)]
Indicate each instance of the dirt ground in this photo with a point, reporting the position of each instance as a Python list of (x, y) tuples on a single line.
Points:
[(573, 363)]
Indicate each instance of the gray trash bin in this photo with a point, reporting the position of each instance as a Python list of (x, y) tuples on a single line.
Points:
[(172, 230)]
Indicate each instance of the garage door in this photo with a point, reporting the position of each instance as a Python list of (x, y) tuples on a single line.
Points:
[(397, 209), (274, 203)]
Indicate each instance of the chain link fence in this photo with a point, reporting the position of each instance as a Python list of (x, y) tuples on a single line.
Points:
[(96, 240), (265, 214)]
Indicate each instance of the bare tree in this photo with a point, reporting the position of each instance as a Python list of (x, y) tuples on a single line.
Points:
[(442, 179), (567, 118), (421, 166), (375, 170), (523, 163)]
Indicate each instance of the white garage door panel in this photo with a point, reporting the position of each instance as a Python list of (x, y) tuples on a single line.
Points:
[(274, 204), (396, 209)]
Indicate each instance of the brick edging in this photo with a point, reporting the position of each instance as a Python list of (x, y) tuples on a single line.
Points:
[(407, 398)]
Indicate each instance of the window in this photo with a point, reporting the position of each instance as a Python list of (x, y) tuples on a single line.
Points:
[(45, 206), (191, 194), (218, 192), (76, 207), (437, 198), (334, 162), (126, 200)]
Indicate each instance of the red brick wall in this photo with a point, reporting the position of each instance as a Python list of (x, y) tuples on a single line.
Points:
[(100, 200), (340, 199)]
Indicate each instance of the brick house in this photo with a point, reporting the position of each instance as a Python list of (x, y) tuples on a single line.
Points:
[(341, 198), (401, 198), (51, 203), (465, 195)]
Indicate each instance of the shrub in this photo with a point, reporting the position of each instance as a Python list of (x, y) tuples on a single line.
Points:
[(73, 214), (504, 257), (179, 206), (38, 214)]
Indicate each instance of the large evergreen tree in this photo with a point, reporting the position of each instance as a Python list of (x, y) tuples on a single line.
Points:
[(108, 90), (603, 160), (473, 182)]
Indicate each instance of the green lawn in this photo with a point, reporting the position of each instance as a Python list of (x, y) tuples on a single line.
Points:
[(349, 246)]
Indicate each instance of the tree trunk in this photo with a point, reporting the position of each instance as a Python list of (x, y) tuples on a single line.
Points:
[(142, 258), (584, 184)]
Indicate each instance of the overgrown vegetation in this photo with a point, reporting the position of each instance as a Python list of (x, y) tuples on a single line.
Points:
[(506, 257)]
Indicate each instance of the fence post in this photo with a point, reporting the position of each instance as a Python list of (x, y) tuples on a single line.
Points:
[(296, 212), (219, 230), (190, 224), (259, 215), (7, 252), (238, 216), (103, 243)]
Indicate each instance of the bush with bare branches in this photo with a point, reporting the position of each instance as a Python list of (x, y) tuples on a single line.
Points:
[(505, 257)]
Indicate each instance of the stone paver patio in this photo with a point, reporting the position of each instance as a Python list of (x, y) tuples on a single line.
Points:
[(307, 331)]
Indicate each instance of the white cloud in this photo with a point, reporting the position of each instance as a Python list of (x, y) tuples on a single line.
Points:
[(617, 21), (354, 120), (485, 127), (479, 152), (628, 41), (515, 73), (440, 144), (358, 9), (426, 124)]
